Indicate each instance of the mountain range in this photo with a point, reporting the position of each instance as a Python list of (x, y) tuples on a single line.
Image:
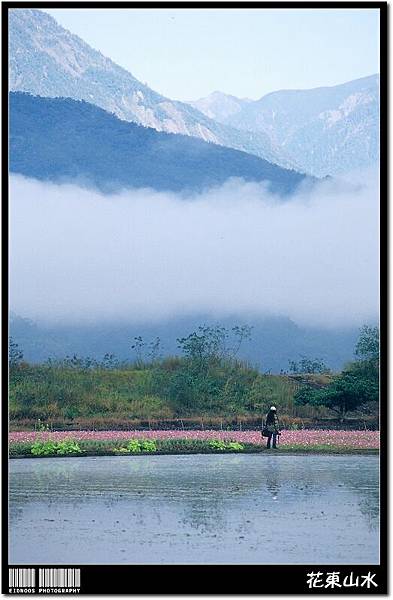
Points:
[(325, 131), (47, 60), (321, 131), (64, 140)]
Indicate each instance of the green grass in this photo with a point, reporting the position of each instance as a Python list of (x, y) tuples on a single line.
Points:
[(174, 393), (158, 391)]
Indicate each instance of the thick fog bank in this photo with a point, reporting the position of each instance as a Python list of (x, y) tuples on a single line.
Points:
[(79, 256)]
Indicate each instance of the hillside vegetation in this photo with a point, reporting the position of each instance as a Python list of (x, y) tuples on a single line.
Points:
[(205, 382), (64, 140)]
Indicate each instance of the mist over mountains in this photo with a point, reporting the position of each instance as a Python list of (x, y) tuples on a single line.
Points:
[(106, 243), (142, 255)]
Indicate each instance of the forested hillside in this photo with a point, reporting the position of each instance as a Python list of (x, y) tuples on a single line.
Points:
[(66, 140)]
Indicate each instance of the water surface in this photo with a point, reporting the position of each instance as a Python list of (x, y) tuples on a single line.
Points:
[(205, 509)]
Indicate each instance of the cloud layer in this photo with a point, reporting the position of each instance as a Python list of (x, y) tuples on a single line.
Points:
[(77, 255)]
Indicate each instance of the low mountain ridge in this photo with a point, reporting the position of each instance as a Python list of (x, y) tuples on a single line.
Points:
[(67, 140), (274, 340)]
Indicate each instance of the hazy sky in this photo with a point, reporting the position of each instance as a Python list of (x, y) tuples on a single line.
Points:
[(77, 255), (186, 54)]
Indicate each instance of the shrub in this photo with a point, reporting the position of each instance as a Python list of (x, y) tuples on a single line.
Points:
[(50, 448), (221, 445), (235, 446), (20, 449), (149, 446), (180, 446), (136, 446), (217, 444)]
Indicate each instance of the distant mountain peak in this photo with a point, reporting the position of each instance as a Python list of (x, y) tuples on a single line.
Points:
[(218, 95), (325, 130), (361, 82), (219, 106)]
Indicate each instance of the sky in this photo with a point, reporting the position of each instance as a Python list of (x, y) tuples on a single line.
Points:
[(186, 54)]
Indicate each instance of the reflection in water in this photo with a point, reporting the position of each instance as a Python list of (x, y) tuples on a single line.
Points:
[(273, 482), (369, 507), (199, 508), (204, 516)]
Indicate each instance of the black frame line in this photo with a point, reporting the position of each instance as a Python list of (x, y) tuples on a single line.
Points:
[(212, 579)]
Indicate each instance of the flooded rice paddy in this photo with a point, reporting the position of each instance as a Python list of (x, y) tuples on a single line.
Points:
[(208, 509)]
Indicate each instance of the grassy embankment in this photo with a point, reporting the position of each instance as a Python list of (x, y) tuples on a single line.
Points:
[(134, 447), (205, 388), (171, 393)]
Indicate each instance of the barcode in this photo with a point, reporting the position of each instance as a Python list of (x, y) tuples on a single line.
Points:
[(59, 578), (21, 578)]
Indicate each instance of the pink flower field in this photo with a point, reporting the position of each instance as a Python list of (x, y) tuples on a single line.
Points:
[(305, 437)]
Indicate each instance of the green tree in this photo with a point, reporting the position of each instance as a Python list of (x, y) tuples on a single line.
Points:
[(356, 387), (210, 375), (241, 334), (212, 344), (367, 353), (308, 366), (15, 354), (367, 347), (207, 344), (138, 346), (346, 392)]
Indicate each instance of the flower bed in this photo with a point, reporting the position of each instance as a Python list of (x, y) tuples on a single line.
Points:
[(362, 440)]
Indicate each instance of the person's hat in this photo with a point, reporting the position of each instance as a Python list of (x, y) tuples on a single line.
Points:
[(273, 408)]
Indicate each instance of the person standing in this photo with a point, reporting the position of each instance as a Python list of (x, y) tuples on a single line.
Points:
[(273, 427)]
